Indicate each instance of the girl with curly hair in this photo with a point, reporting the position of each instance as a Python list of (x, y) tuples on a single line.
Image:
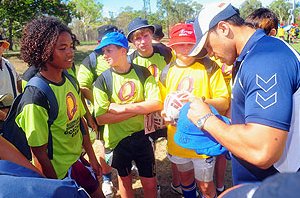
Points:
[(49, 45)]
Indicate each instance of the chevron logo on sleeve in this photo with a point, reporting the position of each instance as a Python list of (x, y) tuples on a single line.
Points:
[(268, 84)]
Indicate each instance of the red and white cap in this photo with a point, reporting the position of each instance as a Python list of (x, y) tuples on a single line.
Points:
[(182, 33)]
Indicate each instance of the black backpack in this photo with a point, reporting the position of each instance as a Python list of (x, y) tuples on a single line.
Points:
[(14, 134)]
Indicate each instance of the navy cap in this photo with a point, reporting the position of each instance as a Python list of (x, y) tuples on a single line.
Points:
[(104, 29), (136, 24)]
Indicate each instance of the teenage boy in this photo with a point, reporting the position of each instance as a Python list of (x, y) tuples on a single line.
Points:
[(10, 80), (200, 78), (48, 44), (121, 99), (92, 66)]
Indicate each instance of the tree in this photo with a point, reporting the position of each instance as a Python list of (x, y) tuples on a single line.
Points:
[(90, 16), (281, 8), (15, 13), (178, 10), (248, 7)]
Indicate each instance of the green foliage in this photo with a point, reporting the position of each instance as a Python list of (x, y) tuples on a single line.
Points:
[(249, 6), (89, 18), (281, 8), (14, 14)]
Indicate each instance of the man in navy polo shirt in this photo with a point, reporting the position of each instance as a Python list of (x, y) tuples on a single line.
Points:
[(265, 131)]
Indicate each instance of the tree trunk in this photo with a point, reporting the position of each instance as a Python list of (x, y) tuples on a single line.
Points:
[(10, 40)]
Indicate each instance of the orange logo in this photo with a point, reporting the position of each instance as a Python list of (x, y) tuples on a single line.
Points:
[(153, 70), (186, 84), (71, 105), (127, 91)]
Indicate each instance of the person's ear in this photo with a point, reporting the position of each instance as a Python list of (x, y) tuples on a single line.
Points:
[(223, 28), (273, 32)]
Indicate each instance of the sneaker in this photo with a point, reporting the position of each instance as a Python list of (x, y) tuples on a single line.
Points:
[(176, 190), (107, 189), (220, 192), (158, 191)]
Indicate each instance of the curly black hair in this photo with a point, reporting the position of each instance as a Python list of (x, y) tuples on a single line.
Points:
[(39, 38)]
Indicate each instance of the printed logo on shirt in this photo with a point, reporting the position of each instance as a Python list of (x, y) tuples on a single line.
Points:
[(153, 70), (267, 97), (71, 105), (127, 91), (186, 84)]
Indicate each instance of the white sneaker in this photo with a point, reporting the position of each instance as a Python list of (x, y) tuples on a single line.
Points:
[(107, 189), (176, 190)]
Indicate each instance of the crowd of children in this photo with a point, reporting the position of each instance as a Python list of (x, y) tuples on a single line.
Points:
[(120, 96)]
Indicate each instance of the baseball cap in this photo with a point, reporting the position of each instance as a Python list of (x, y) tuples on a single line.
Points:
[(182, 33), (113, 38), (158, 33), (136, 24), (4, 42), (208, 18), (189, 136), (104, 29)]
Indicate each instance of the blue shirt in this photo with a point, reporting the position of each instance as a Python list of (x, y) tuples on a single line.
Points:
[(263, 93)]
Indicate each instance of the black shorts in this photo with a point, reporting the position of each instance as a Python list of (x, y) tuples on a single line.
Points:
[(137, 148), (159, 133)]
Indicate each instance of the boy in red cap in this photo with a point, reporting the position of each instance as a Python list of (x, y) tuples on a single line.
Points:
[(200, 78)]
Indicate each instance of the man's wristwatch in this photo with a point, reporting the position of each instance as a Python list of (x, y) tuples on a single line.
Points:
[(200, 123)]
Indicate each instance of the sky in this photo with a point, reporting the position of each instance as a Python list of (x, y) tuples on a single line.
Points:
[(116, 5)]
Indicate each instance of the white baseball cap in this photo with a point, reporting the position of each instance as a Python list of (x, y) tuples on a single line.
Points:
[(208, 18)]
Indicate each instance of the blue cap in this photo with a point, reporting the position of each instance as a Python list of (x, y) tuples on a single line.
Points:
[(189, 136), (113, 38)]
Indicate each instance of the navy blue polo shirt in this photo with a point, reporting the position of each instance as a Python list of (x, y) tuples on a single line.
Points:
[(263, 93)]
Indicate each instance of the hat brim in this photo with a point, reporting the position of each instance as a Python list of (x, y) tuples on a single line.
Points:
[(5, 44), (170, 44), (140, 27), (199, 50)]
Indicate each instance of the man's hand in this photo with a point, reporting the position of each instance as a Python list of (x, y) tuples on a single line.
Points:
[(198, 108)]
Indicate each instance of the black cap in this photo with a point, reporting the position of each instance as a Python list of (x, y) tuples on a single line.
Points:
[(158, 33), (104, 29)]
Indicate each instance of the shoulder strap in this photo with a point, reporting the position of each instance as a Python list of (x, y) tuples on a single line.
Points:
[(12, 79), (164, 73), (108, 79), (53, 106), (72, 80), (139, 71), (93, 63)]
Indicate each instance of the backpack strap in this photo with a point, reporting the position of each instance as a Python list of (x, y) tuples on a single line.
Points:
[(164, 73), (12, 79), (93, 63), (108, 79), (43, 86)]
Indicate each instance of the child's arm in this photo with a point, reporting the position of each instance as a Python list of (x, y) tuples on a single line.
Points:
[(42, 161), (144, 107), (87, 145)]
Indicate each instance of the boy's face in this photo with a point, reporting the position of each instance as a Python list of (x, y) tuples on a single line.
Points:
[(112, 54), (63, 53), (143, 40), (182, 51)]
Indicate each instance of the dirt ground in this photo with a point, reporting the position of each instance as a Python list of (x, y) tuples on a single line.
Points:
[(163, 164)]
